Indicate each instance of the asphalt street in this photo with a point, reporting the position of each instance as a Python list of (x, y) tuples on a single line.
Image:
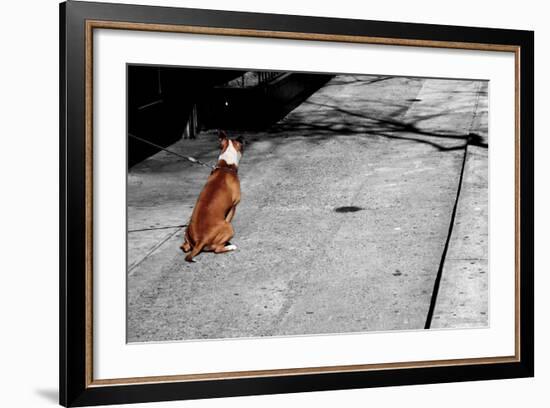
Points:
[(347, 207)]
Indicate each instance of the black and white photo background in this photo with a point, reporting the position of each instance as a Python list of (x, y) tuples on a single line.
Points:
[(364, 203)]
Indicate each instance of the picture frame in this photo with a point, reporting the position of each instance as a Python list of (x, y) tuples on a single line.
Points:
[(79, 21)]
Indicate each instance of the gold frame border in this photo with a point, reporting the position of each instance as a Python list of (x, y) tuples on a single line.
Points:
[(98, 24)]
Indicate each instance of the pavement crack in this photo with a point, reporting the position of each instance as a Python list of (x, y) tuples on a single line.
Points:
[(437, 283), (133, 267)]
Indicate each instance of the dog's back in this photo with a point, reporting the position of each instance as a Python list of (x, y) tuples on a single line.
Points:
[(209, 228), (217, 198)]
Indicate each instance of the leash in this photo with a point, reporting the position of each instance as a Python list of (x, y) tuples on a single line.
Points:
[(188, 158)]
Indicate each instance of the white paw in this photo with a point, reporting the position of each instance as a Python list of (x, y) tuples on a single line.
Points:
[(230, 247)]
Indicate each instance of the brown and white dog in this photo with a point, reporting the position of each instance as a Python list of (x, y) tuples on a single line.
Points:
[(210, 226)]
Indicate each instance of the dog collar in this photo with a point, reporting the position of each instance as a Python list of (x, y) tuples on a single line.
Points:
[(227, 169)]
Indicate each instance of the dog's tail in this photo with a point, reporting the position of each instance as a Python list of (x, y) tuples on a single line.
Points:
[(194, 252)]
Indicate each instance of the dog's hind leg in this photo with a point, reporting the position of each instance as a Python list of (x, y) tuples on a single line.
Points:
[(222, 239), (230, 214), (220, 249)]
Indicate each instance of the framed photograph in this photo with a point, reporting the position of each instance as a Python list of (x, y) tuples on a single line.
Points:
[(256, 204)]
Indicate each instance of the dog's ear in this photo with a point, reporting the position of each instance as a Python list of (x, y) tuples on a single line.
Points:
[(221, 135), (241, 140), (222, 139)]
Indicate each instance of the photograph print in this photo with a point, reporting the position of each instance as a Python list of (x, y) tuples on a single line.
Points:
[(268, 203)]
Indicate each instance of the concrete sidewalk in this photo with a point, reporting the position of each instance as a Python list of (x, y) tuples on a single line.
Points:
[(345, 211)]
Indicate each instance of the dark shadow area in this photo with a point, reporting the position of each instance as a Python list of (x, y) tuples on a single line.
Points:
[(476, 140), (257, 107), (165, 104), (334, 120), (161, 104), (260, 109), (348, 209)]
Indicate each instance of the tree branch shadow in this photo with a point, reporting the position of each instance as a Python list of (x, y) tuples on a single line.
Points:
[(331, 119)]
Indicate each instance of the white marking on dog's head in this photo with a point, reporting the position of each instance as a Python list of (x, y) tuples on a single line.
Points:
[(230, 155)]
